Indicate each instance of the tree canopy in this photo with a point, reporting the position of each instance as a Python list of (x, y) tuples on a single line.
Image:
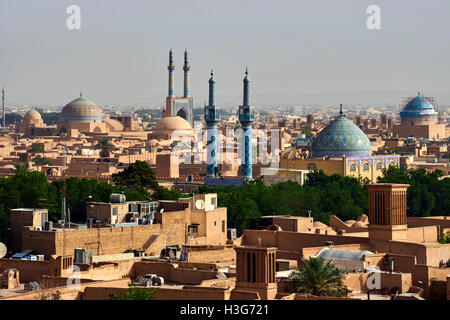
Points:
[(316, 277)]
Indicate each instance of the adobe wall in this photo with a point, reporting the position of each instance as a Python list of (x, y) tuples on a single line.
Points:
[(443, 222), (171, 273), (211, 256), (358, 281), (422, 234), (161, 293), (101, 241), (30, 270), (66, 293), (290, 244), (421, 274), (175, 226)]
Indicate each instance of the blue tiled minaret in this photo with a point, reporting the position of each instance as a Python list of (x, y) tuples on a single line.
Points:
[(186, 69), (246, 118), (171, 67), (211, 119)]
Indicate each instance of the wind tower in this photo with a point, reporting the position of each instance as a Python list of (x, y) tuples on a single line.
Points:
[(211, 119), (246, 118)]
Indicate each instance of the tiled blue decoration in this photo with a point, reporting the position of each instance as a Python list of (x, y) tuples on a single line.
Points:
[(418, 106), (341, 138)]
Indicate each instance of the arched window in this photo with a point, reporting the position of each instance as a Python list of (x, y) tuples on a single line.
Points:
[(311, 166), (392, 164), (366, 167), (353, 167), (366, 180), (379, 166)]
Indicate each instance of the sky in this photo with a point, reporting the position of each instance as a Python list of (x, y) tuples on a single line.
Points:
[(297, 52)]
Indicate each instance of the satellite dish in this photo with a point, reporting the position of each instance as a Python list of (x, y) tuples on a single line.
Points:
[(3, 250), (199, 204)]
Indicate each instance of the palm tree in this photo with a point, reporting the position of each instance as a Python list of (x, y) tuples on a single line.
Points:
[(316, 277), (105, 146)]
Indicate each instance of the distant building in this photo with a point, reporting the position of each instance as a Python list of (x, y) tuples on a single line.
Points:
[(419, 119), (341, 147)]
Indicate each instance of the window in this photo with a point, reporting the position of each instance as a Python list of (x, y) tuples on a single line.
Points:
[(379, 166), (193, 228), (114, 212), (223, 225), (366, 167), (311, 166), (392, 164), (353, 167)]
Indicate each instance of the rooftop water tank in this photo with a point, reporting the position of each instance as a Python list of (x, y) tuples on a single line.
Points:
[(117, 198)]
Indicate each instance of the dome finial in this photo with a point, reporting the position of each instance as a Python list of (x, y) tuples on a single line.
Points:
[(340, 111), (418, 93), (246, 71), (81, 93), (212, 72)]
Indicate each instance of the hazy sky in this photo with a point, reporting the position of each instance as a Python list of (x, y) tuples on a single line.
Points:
[(298, 52)]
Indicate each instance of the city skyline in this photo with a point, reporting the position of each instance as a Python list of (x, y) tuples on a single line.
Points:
[(316, 56)]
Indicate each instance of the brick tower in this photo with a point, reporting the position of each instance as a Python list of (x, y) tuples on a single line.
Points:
[(387, 211), (256, 271)]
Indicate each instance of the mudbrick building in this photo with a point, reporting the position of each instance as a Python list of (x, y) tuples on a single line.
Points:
[(184, 252)]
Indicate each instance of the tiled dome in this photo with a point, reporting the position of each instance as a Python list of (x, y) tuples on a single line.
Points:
[(81, 110), (418, 106), (341, 137)]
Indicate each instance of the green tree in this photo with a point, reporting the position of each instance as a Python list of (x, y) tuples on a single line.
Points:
[(105, 146), (36, 148), (318, 278), (137, 174), (444, 238), (41, 161), (134, 293), (22, 166), (306, 130)]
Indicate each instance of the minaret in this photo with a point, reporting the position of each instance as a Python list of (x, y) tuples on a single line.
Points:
[(171, 67), (3, 107), (246, 118), (211, 119), (186, 69)]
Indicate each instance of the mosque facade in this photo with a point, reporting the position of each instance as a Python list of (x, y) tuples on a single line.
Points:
[(343, 148), (179, 106)]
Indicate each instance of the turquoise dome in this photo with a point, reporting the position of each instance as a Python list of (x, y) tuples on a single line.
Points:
[(339, 138), (417, 107), (81, 110)]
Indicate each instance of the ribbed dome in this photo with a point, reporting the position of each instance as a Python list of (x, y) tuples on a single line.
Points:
[(173, 123), (81, 110), (418, 106), (32, 115), (339, 138)]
